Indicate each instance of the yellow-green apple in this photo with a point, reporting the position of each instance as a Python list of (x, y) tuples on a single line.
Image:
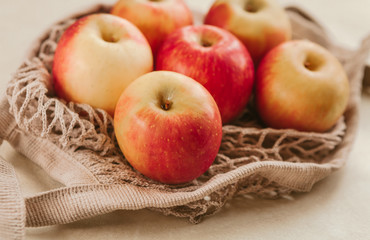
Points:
[(155, 18), (301, 85), (259, 24), (97, 57), (168, 127), (216, 59)]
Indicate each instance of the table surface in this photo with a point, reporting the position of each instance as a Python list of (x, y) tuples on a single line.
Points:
[(336, 208)]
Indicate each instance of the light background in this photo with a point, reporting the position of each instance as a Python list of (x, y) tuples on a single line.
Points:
[(336, 208)]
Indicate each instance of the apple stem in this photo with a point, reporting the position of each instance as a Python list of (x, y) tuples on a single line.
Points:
[(110, 38), (308, 65), (250, 7), (166, 105), (205, 43)]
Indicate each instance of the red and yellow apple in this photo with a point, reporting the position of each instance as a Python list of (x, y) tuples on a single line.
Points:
[(259, 24), (155, 18), (96, 59), (168, 127), (216, 59), (301, 85)]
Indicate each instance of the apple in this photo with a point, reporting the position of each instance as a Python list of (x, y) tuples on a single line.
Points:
[(155, 18), (259, 24), (96, 59), (216, 59), (301, 85), (168, 127)]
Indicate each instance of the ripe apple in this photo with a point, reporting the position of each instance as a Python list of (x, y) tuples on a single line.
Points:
[(97, 57), (301, 85), (259, 24), (168, 127), (155, 18), (216, 59)]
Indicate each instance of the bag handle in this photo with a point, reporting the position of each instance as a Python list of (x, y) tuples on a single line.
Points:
[(12, 205), (70, 204)]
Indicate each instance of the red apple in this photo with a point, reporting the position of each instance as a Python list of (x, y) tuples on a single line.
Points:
[(216, 59), (155, 18), (259, 24), (97, 57), (301, 85), (168, 127)]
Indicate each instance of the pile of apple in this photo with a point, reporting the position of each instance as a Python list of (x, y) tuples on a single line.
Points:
[(171, 85)]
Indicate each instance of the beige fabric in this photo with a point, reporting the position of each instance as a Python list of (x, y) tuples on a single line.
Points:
[(12, 209), (75, 144), (12, 206)]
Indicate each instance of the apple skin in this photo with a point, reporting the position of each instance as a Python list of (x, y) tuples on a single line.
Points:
[(170, 146), (301, 85), (216, 59), (259, 24), (97, 57), (156, 19)]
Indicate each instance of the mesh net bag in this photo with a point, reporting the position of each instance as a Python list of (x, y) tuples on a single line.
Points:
[(75, 144)]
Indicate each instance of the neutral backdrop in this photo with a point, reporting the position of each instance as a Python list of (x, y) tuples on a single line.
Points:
[(336, 208)]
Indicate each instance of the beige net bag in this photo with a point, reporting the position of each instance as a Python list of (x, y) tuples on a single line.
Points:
[(75, 145)]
